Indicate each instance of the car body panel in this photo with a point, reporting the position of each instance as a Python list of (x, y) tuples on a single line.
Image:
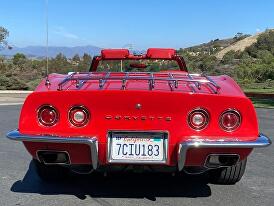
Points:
[(144, 102)]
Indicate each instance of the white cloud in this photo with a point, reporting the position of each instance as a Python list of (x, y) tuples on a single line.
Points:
[(258, 30), (63, 32)]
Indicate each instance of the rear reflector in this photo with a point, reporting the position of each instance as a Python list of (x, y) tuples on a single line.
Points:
[(198, 119), (78, 116), (230, 120), (47, 115)]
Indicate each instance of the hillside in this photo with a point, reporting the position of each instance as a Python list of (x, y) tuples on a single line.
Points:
[(214, 46), (238, 46), (220, 47), (248, 59)]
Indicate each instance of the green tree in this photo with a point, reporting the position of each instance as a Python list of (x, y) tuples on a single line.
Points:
[(228, 57), (264, 42), (59, 64), (87, 58), (76, 58), (85, 63), (238, 35), (266, 56), (207, 63), (2, 59), (3, 36), (19, 59), (154, 67), (61, 58)]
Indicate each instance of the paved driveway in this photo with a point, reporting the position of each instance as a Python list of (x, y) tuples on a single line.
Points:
[(19, 184)]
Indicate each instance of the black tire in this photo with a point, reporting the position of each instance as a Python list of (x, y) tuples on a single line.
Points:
[(228, 175), (50, 172)]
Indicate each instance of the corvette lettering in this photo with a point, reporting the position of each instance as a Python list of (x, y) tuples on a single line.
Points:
[(144, 118)]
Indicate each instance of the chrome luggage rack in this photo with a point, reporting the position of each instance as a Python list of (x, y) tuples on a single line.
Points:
[(193, 81)]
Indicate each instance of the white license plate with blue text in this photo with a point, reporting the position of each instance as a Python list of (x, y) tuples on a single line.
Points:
[(137, 147)]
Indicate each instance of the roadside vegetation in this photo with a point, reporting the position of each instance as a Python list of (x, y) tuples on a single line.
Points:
[(263, 102), (252, 68)]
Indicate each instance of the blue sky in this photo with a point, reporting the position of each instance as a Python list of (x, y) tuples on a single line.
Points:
[(143, 23)]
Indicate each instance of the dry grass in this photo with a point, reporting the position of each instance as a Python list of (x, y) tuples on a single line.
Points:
[(238, 46)]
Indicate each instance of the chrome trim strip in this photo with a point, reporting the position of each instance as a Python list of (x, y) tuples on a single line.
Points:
[(91, 142), (262, 141)]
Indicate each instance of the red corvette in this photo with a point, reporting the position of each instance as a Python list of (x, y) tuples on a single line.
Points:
[(165, 121)]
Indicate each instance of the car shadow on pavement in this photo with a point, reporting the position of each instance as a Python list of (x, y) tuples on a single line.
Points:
[(122, 185)]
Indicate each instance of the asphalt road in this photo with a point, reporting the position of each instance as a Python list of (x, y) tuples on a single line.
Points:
[(19, 184)]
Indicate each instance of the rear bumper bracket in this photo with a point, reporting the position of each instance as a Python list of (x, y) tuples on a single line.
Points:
[(90, 141), (262, 141)]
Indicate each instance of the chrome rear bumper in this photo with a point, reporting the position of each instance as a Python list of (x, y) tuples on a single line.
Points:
[(90, 141), (262, 141)]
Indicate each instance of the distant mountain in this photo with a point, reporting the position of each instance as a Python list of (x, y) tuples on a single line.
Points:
[(40, 51)]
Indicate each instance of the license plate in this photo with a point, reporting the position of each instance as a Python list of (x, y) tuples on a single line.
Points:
[(137, 147)]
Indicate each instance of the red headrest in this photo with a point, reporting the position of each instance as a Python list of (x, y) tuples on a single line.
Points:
[(114, 53), (159, 53)]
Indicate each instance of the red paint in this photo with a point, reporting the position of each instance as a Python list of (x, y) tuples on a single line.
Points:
[(112, 108)]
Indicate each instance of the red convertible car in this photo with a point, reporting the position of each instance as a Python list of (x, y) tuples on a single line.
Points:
[(134, 119)]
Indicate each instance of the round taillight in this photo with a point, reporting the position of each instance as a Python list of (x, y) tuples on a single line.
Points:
[(230, 120), (198, 119), (47, 115), (78, 116)]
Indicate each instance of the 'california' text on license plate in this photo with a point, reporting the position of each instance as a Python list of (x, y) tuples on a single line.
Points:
[(137, 147)]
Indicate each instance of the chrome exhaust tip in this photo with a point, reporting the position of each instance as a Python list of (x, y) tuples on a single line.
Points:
[(221, 160), (53, 157)]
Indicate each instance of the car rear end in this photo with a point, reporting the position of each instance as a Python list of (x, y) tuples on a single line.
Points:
[(125, 123)]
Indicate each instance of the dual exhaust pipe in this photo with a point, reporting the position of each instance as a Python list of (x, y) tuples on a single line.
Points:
[(221, 160), (212, 160), (53, 157)]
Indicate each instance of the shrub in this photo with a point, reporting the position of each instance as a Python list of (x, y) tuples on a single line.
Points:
[(12, 83)]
